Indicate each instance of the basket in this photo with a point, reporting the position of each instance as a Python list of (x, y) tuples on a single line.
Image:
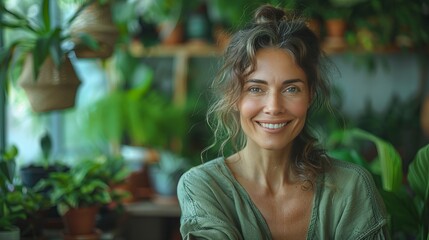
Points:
[(96, 20), (54, 89)]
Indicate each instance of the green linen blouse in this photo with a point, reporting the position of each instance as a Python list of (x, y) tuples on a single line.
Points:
[(214, 205)]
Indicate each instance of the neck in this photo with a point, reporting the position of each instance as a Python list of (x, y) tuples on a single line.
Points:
[(270, 169)]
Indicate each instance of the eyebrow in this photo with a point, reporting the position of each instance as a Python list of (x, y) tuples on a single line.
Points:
[(285, 82)]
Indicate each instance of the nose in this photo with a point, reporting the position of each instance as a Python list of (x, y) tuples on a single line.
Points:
[(274, 104)]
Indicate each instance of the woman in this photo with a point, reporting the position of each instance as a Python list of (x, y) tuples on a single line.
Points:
[(278, 184)]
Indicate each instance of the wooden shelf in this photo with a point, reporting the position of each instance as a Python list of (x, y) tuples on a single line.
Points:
[(191, 49), (181, 54)]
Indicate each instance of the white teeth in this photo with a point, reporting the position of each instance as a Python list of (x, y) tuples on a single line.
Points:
[(273, 126)]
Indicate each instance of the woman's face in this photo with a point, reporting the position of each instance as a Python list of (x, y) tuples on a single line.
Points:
[(274, 102)]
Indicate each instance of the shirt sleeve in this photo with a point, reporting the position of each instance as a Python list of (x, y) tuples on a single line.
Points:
[(352, 208), (203, 210)]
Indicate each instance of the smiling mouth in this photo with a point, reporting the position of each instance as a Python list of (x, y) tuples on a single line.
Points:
[(273, 126)]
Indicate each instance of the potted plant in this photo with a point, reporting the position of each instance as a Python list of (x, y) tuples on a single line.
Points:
[(406, 198), (78, 194), (336, 17), (17, 202), (43, 166), (97, 21), (113, 171), (165, 172), (167, 17), (40, 48)]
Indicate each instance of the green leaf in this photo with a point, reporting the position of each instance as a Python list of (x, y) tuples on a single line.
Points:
[(89, 41), (18, 20), (11, 153), (46, 14), (79, 11), (55, 50), (46, 145), (349, 155), (41, 51), (404, 214), (11, 25), (8, 167), (390, 160), (418, 174)]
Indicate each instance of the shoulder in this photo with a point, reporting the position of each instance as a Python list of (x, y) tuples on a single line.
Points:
[(348, 199), (203, 177), (207, 170), (348, 173), (206, 188), (347, 182)]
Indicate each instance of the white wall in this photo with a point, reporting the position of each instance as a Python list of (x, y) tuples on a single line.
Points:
[(395, 74)]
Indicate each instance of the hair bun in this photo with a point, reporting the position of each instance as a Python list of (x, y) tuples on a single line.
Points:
[(268, 13)]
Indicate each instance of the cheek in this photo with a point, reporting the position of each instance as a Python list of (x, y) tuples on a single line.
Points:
[(248, 108), (299, 108)]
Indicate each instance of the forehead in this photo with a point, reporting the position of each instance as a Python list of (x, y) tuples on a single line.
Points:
[(276, 63)]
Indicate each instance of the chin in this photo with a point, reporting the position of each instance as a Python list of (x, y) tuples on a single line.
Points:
[(274, 146)]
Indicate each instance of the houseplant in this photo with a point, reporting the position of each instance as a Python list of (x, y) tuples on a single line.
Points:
[(16, 201), (10, 210), (78, 194), (40, 48), (168, 17), (335, 15), (97, 21), (406, 199), (113, 171), (43, 166), (134, 112), (165, 172)]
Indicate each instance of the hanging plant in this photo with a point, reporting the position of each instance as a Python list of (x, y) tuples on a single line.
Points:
[(95, 21), (43, 53)]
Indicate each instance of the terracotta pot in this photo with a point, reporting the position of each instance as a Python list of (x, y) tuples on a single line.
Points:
[(54, 89), (336, 28), (335, 35), (221, 36), (171, 33), (80, 221)]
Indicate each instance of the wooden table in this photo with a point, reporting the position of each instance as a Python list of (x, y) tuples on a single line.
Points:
[(158, 219)]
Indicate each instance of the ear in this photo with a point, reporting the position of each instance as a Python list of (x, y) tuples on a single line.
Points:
[(235, 108)]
